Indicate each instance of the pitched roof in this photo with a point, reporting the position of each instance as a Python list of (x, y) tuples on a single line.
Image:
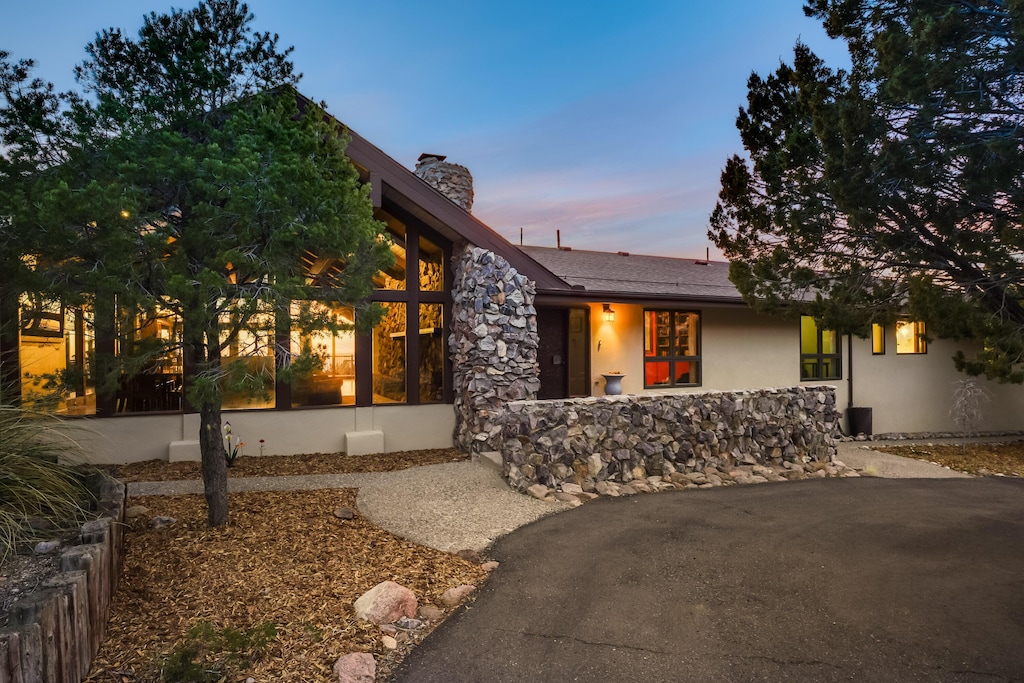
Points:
[(621, 275), (555, 271)]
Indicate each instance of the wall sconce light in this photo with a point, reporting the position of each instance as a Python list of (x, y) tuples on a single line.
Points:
[(609, 314)]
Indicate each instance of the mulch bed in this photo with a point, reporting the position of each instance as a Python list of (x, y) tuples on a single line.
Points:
[(283, 559), (984, 459), (282, 465)]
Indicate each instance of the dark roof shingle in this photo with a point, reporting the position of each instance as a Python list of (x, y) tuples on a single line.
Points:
[(635, 275)]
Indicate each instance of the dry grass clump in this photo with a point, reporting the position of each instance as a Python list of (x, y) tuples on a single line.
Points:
[(42, 484)]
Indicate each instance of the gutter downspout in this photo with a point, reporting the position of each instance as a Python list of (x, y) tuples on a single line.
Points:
[(849, 369)]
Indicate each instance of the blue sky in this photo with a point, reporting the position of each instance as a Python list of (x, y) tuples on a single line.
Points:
[(610, 121)]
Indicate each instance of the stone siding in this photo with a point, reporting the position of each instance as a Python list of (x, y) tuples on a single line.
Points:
[(622, 438), (493, 345), (452, 180)]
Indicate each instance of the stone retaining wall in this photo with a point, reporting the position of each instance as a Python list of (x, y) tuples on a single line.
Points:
[(622, 438), (54, 633)]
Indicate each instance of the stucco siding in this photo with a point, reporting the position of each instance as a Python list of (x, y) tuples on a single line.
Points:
[(148, 437), (741, 350), (913, 392)]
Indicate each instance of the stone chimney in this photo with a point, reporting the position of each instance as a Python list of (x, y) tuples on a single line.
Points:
[(451, 180)]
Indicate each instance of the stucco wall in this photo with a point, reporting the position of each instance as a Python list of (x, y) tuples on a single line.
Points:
[(135, 438), (743, 350), (739, 350), (913, 393)]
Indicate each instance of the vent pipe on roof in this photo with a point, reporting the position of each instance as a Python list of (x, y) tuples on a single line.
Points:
[(453, 181)]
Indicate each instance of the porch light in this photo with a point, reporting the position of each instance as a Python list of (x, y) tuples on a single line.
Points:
[(609, 314)]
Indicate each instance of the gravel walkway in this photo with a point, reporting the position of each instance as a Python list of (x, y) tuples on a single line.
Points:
[(451, 507), (467, 504), (860, 456)]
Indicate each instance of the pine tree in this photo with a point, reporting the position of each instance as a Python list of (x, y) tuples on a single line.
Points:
[(894, 187), (190, 181)]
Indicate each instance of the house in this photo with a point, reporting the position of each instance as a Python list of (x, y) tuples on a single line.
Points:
[(474, 321)]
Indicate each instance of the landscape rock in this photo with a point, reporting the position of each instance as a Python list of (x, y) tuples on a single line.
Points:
[(453, 596), (136, 511), (430, 613), (389, 642), (46, 547), (470, 555), (567, 498), (162, 522), (344, 513), (490, 566), (386, 603), (538, 491), (407, 624), (357, 667)]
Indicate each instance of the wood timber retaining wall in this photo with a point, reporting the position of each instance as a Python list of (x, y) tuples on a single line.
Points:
[(53, 633)]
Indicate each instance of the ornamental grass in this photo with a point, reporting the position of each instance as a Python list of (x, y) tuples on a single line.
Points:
[(42, 481)]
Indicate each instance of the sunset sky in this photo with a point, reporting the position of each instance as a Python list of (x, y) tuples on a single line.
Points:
[(610, 121)]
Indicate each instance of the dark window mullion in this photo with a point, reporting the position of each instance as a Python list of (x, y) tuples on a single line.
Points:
[(412, 316), (448, 392)]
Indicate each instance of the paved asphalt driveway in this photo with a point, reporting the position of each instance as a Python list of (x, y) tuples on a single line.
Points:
[(824, 580)]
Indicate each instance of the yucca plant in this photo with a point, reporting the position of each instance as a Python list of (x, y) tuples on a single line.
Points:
[(41, 476)]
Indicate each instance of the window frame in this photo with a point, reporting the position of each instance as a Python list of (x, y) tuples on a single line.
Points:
[(877, 339), (917, 339), (818, 357), (673, 357), (413, 297)]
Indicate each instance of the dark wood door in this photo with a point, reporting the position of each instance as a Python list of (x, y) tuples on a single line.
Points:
[(553, 352)]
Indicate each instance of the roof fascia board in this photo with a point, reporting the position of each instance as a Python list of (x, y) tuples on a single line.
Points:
[(554, 298)]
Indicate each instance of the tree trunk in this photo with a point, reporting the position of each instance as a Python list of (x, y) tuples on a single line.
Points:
[(211, 445), (215, 472)]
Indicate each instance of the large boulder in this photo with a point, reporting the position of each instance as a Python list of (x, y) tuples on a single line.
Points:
[(386, 603), (358, 667)]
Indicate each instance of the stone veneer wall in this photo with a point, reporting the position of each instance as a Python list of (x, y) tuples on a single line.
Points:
[(493, 345), (621, 438), (451, 180)]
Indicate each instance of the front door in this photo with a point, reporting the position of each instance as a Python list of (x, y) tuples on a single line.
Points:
[(562, 353)]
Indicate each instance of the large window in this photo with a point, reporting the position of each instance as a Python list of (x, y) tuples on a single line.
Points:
[(56, 350), (330, 378), (432, 353), (910, 337), (150, 361), (389, 355), (247, 359), (403, 359), (671, 349), (820, 356), (408, 347)]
